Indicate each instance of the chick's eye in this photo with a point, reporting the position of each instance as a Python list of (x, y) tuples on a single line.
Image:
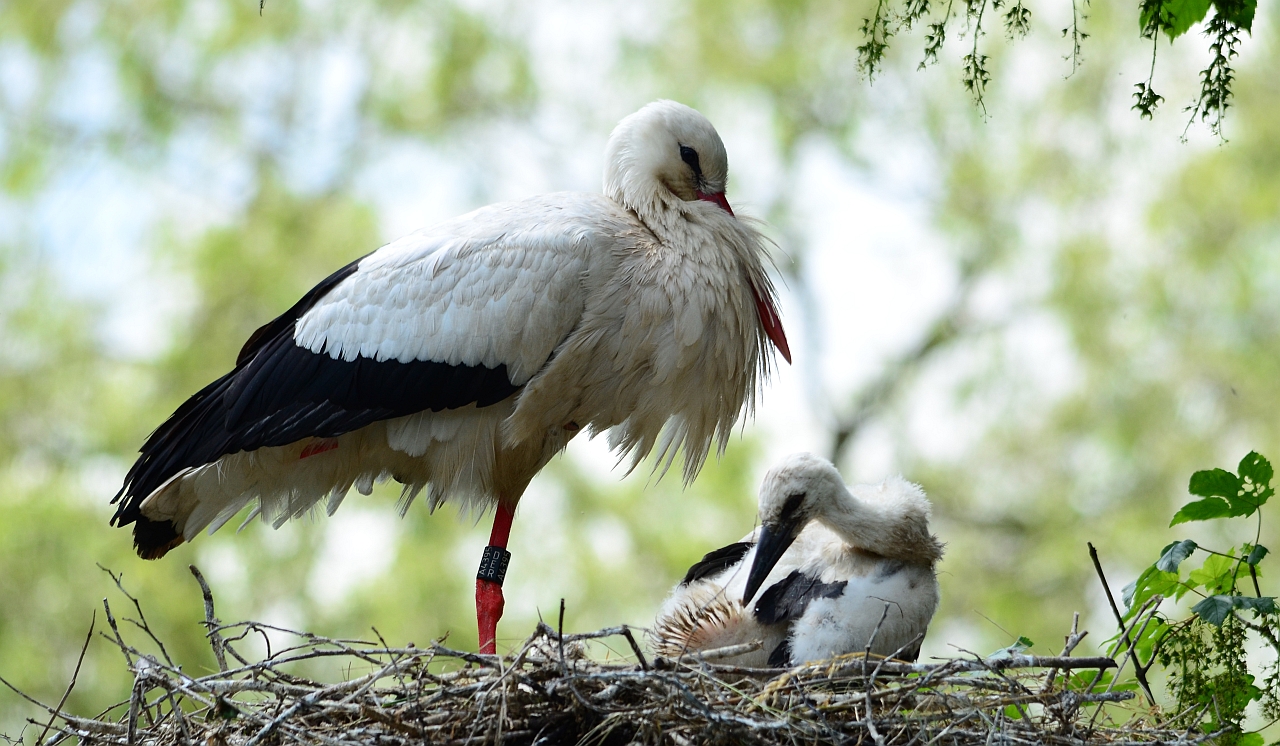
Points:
[(792, 504), (690, 156)]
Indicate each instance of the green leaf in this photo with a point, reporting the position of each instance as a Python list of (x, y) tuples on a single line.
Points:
[(1129, 591), (1202, 510), (1174, 554), (1217, 574), (1255, 485), (1022, 645), (1081, 681), (1250, 739), (1151, 632), (1239, 12), (1256, 467), (1183, 14), (1214, 483), (1259, 606), (1247, 503), (1226, 494), (1256, 555), (1149, 583), (1214, 609)]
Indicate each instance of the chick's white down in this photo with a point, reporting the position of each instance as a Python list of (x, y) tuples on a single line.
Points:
[(858, 549)]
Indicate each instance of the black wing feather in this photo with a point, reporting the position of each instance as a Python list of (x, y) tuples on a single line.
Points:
[(781, 655), (786, 600), (716, 561), (280, 393), (272, 329)]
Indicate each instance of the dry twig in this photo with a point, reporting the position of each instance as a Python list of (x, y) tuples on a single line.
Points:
[(409, 696)]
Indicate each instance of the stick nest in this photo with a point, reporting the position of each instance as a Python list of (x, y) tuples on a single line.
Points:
[(552, 690)]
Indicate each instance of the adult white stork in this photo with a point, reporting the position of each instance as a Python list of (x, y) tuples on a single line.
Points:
[(464, 356), (829, 557)]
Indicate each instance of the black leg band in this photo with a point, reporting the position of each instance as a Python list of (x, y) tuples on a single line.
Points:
[(493, 564)]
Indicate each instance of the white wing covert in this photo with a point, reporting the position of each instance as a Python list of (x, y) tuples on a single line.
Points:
[(505, 299)]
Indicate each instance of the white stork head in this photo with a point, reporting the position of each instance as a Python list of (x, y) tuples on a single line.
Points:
[(800, 488), (890, 519), (666, 156), (667, 164)]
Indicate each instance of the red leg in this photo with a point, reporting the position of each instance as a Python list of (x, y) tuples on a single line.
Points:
[(493, 568)]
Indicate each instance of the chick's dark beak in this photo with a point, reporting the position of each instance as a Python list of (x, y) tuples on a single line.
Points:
[(773, 542)]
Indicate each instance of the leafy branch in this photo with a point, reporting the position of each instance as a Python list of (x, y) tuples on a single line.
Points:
[(973, 67), (1077, 36), (1172, 18), (1156, 18), (1216, 79), (935, 37), (1204, 653), (877, 32), (1017, 20)]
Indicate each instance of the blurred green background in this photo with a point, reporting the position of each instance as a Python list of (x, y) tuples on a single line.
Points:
[(1049, 317)]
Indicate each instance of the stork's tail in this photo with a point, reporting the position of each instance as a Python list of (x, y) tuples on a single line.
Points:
[(154, 539)]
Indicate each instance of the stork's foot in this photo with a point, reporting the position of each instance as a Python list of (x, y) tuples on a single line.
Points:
[(489, 604)]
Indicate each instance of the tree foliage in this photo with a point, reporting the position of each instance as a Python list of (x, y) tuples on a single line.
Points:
[(1205, 653), (1156, 18)]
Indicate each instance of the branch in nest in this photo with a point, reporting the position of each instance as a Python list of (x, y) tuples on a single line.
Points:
[(406, 696)]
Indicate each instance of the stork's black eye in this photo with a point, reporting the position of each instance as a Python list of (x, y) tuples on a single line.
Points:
[(690, 156)]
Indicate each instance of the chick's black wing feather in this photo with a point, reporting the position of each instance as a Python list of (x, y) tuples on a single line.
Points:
[(787, 599), (716, 561)]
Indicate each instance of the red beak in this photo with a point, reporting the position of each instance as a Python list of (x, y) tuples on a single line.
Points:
[(718, 198), (772, 324)]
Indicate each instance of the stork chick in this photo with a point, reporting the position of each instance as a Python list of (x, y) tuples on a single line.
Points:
[(462, 357), (829, 558)]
